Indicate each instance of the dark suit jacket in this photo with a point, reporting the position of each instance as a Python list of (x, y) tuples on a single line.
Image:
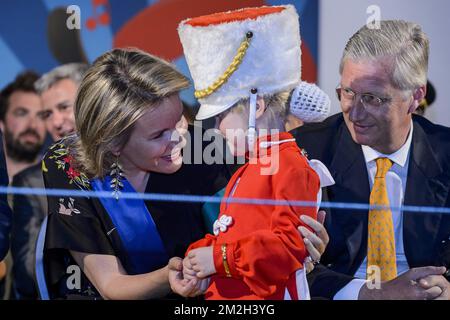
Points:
[(5, 211), (29, 212), (428, 183)]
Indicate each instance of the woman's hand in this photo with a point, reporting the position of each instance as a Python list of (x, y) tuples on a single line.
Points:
[(315, 242), (182, 281), (178, 284)]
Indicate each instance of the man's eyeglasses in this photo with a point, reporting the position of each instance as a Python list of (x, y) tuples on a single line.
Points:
[(368, 100)]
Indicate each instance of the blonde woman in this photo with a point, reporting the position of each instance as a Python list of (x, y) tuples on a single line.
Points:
[(129, 121)]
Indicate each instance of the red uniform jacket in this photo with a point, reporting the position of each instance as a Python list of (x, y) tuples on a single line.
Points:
[(264, 247)]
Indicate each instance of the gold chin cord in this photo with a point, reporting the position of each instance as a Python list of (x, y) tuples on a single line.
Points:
[(237, 60)]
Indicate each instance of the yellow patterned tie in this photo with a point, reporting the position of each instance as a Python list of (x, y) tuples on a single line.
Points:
[(381, 241)]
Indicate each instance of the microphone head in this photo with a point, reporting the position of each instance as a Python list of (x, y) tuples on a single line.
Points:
[(309, 103)]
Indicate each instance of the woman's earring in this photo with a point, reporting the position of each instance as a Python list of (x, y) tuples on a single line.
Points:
[(116, 175)]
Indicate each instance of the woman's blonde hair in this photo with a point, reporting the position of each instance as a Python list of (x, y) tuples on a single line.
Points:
[(116, 91)]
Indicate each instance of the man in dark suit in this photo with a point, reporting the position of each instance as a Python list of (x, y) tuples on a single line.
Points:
[(5, 211), (376, 141), (5, 217)]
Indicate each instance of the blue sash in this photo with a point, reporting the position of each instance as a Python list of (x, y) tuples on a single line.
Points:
[(136, 228)]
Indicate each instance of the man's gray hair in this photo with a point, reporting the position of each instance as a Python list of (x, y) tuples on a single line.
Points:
[(403, 41), (72, 71)]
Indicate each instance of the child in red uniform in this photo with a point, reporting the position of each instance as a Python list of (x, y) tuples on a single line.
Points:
[(244, 65)]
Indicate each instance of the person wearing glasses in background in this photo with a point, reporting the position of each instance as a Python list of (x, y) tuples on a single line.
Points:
[(379, 153)]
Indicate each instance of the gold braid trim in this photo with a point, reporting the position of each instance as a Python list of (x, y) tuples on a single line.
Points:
[(237, 60), (225, 260)]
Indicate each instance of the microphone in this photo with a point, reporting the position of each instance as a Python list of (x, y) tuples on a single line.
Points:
[(309, 103)]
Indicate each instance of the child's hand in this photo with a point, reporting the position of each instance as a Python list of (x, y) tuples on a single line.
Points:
[(183, 287), (188, 272), (202, 261), (190, 277)]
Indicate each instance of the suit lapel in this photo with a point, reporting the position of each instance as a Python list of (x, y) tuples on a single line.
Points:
[(348, 167), (426, 184)]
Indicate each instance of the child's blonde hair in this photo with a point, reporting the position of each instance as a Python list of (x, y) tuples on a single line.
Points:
[(277, 108)]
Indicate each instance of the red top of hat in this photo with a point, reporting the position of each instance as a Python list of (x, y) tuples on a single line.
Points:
[(231, 16)]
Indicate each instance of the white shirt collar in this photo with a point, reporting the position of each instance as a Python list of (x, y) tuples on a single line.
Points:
[(399, 157)]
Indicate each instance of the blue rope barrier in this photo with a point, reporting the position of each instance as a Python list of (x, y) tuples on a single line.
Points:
[(214, 199)]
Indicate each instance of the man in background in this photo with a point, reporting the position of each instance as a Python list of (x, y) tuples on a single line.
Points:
[(21, 120), (57, 90), (22, 123), (5, 213)]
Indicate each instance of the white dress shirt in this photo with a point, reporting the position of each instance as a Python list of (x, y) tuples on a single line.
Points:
[(396, 185)]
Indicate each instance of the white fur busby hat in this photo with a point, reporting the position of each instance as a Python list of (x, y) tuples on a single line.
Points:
[(234, 54)]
